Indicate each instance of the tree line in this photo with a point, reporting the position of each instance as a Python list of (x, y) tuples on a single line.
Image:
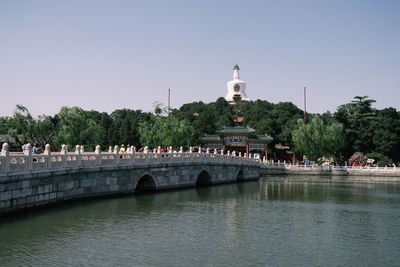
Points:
[(354, 127)]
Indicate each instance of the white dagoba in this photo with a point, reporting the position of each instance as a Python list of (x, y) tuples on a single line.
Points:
[(236, 87)]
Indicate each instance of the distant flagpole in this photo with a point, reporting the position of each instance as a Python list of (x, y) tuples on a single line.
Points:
[(305, 112), (169, 100)]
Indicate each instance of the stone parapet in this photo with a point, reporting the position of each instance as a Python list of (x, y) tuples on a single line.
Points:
[(19, 162)]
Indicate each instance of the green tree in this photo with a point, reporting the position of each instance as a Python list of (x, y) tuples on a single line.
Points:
[(159, 131), (318, 139), (76, 127), (3, 125), (124, 127), (380, 159), (23, 128), (386, 138), (358, 118)]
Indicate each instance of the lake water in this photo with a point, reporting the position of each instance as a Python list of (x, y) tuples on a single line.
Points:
[(270, 222)]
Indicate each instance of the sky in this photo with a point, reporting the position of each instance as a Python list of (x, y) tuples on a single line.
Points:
[(108, 55)]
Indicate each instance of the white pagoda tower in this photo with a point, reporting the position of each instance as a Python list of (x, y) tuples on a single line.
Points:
[(236, 88)]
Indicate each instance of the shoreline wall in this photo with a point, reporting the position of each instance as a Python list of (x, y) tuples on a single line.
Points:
[(268, 168)]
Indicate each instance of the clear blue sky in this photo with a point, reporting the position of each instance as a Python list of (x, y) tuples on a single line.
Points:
[(107, 55)]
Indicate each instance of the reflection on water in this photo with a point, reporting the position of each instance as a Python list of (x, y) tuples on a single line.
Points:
[(282, 221)]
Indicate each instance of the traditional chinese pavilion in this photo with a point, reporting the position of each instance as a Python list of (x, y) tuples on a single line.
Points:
[(237, 138)]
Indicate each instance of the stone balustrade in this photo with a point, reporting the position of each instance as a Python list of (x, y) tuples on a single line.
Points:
[(286, 168), (14, 162)]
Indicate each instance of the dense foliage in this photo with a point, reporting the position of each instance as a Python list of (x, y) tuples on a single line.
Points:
[(319, 139), (355, 127)]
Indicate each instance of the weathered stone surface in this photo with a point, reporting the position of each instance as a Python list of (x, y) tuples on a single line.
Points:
[(53, 195), (5, 204), (21, 192), (6, 195), (76, 192), (13, 185), (114, 187), (21, 202), (44, 188), (26, 183), (111, 181), (88, 182), (30, 199)]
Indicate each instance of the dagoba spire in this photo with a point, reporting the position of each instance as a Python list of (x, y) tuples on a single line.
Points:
[(236, 72)]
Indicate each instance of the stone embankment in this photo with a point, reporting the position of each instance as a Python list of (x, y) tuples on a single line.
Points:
[(277, 168), (28, 181)]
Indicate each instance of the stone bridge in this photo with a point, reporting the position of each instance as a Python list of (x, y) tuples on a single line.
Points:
[(28, 181)]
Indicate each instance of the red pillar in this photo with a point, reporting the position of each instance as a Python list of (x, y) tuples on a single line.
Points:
[(247, 149), (266, 153)]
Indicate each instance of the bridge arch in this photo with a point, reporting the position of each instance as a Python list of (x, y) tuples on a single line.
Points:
[(204, 178), (240, 176), (146, 183)]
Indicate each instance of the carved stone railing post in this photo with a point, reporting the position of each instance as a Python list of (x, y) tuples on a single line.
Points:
[(47, 152), (170, 149), (28, 149), (181, 150), (190, 149), (208, 150), (64, 153), (82, 149), (6, 154), (28, 157), (78, 156), (133, 152), (199, 151), (97, 152), (215, 151), (159, 150), (146, 152), (110, 149), (116, 152)]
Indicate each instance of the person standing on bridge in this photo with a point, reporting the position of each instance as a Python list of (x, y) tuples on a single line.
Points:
[(122, 151)]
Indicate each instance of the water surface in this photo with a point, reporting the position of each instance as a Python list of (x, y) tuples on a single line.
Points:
[(270, 222)]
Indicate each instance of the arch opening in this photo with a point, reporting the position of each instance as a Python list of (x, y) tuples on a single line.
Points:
[(240, 176), (145, 184), (203, 179)]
